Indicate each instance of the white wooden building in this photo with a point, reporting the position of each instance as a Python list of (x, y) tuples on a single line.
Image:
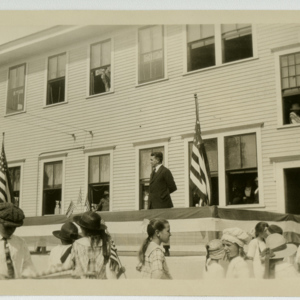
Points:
[(82, 108)]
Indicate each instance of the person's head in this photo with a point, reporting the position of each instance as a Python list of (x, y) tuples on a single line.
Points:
[(295, 108), (156, 159), (234, 240), (261, 230), (106, 194), (11, 217), (256, 181), (67, 234), (274, 229), (214, 250)]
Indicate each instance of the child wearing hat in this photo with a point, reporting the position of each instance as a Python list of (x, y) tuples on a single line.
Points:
[(214, 252), (15, 260), (234, 240), (60, 254), (277, 251)]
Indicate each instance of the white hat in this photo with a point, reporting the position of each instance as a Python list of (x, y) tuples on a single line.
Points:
[(236, 235), (278, 246)]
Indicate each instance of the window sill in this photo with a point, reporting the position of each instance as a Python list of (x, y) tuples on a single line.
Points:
[(15, 113), (99, 95), (242, 206), (288, 126), (220, 66), (151, 82), (56, 104)]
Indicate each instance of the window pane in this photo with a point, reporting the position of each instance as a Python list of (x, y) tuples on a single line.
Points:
[(157, 38), (292, 81), (284, 72), (298, 69), (57, 175), (106, 54), (193, 33), (297, 58), (248, 151), (20, 76), (104, 168), (13, 78), (232, 153), (145, 40), (145, 166), (52, 72), (292, 71), (284, 61), (61, 65), (291, 59), (211, 148), (48, 175), (94, 169), (285, 83), (95, 56)]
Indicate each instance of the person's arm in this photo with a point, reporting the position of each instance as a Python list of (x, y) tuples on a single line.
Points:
[(170, 182), (28, 269), (252, 249)]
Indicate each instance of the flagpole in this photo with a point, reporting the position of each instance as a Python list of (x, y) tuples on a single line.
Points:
[(197, 108)]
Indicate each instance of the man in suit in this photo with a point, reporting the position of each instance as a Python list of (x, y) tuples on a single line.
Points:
[(162, 183)]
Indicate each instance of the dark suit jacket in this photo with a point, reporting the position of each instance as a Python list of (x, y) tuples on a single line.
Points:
[(161, 186)]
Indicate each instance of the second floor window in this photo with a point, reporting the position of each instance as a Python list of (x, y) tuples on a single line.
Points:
[(15, 175), (56, 79), (16, 89), (100, 68), (151, 54)]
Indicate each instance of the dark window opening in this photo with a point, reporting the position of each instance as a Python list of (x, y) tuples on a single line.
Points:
[(211, 148), (56, 91), (16, 89), (100, 80), (292, 190), (144, 174), (237, 42), (15, 174)]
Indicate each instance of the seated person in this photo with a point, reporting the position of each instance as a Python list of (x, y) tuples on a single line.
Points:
[(249, 190), (237, 193), (104, 202), (295, 113)]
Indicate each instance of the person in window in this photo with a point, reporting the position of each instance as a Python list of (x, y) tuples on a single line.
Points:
[(237, 193), (249, 193), (104, 202), (295, 113), (256, 196)]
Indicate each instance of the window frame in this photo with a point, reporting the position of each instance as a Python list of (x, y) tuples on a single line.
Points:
[(46, 79), (42, 162), (97, 152), (221, 165), (88, 96), (14, 164), (25, 88), (277, 54), (145, 145), (165, 69), (218, 49)]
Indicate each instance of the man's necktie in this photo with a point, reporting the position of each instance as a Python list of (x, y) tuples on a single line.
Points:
[(10, 267), (152, 174)]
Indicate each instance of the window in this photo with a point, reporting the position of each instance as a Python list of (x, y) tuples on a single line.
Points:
[(214, 45), (56, 79), (290, 87), (98, 178), (236, 42), (211, 148), (151, 54), (201, 46), (241, 169), (52, 188), (145, 170), (15, 177), (100, 68), (16, 89)]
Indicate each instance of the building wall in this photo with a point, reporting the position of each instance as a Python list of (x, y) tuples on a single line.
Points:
[(231, 95)]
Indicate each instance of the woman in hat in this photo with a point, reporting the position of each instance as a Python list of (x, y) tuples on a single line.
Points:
[(234, 240), (90, 255), (60, 254), (152, 261), (256, 247), (214, 252), (277, 251), (295, 113)]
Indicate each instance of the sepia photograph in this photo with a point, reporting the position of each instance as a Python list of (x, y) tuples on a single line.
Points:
[(156, 151)]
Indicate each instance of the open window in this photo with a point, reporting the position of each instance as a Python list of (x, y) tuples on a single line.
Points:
[(144, 173), (236, 42), (211, 148), (15, 177), (52, 188), (241, 169), (98, 180), (56, 79), (16, 89), (151, 54), (200, 46), (100, 68)]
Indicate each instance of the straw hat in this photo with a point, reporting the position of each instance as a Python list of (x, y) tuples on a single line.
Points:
[(68, 232), (11, 215), (236, 235), (90, 220), (278, 246)]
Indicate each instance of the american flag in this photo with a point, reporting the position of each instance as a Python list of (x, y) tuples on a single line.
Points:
[(87, 203), (115, 263), (70, 209), (200, 180), (6, 191)]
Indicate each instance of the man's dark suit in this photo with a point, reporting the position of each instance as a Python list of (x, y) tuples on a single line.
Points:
[(162, 184)]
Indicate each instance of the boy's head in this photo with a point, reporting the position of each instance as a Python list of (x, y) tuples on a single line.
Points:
[(11, 217)]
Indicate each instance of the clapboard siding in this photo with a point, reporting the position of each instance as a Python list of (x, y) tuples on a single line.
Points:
[(230, 95)]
